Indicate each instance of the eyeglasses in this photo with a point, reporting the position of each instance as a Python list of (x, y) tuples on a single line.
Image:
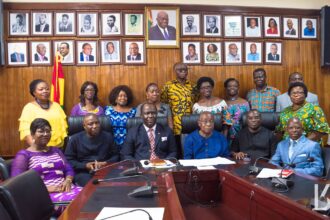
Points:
[(182, 70)]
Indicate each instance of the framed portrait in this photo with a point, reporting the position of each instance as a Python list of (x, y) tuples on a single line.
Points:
[(273, 52), (290, 27), (309, 28), (212, 24), (212, 53), (65, 23), (191, 52), (19, 23), (252, 26), (87, 24), (66, 49), (190, 24), (40, 53), (233, 52), (272, 26), (17, 53), (253, 52), (134, 24), (111, 23), (135, 52), (42, 23), (233, 26), (162, 26), (86, 52), (110, 51)]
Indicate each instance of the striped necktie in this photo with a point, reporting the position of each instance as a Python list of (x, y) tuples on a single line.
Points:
[(167, 37), (152, 144)]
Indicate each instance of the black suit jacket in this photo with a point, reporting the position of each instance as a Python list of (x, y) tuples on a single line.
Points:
[(137, 145), (36, 57), (209, 30), (46, 29), (156, 34), (138, 57), (270, 57)]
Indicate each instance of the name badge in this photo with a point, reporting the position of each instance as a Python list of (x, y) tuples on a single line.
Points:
[(164, 139)]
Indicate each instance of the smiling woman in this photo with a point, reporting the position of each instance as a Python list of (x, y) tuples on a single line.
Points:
[(42, 107)]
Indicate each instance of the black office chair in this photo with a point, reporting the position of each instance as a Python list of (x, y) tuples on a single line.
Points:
[(25, 197), (131, 122), (5, 168), (75, 124), (326, 161), (268, 119), (4, 215)]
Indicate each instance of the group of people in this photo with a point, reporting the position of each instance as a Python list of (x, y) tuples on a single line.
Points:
[(43, 126)]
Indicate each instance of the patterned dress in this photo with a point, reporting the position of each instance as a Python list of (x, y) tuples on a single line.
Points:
[(180, 97), (118, 123), (52, 168), (79, 110), (236, 111), (311, 117), (264, 100)]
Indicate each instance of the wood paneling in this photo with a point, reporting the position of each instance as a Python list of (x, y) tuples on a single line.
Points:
[(298, 55)]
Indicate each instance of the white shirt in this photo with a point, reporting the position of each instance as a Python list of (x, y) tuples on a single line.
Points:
[(153, 131)]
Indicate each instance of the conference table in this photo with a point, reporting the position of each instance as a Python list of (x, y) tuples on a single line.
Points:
[(227, 192)]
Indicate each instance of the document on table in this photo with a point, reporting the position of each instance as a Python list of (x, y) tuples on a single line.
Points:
[(206, 162), (149, 164), (268, 173), (131, 213)]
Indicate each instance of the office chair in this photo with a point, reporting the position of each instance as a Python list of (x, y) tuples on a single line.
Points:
[(5, 168), (131, 122), (4, 215), (25, 197), (326, 161), (268, 119), (75, 124)]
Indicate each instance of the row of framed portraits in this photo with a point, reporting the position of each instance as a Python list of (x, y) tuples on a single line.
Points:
[(86, 24), (133, 52)]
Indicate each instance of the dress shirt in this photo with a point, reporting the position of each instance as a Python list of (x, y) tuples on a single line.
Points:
[(153, 129), (293, 144), (263, 100)]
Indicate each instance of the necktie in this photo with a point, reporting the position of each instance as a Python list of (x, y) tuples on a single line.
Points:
[(291, 148), (18, 57), (167, 37), (87, 58), (152, 144)]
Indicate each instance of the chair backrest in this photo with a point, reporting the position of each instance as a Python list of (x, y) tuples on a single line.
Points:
[(5, 168), (131, 122), (75, 124), (190, 123), (326, 161), (4, 215), (25, 197), (268, 119)]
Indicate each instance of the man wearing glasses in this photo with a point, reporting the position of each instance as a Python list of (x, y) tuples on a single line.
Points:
[(205, 142)]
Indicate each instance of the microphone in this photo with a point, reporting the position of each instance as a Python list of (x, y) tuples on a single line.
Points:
[(123, 213), (92, 172), (143, 191), (254, 169), (131, 171)]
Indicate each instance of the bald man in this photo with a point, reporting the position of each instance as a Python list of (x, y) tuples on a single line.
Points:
[(162, 30), (299, 150)]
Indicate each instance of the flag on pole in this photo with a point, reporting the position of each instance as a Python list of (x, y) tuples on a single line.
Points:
[(149, 18), (57, 89)]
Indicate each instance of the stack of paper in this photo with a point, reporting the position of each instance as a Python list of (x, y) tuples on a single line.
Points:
[(268, 173), (206, 162)]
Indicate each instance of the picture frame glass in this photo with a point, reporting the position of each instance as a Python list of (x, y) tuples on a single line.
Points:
[(252, 26), (65, 23), (86, 52), (273, 52), (191, 52), (111, 23), (17, 53), (66, 49), (290, 27), (40, 52), (110, 51), (212, 53), (309, 28), (253, 52), (272, 26), (233, 52), (19, 24), (233, 26), (212, 25), (134, 24), (190, 24), (42, 23), (87, 24), (134, 52)]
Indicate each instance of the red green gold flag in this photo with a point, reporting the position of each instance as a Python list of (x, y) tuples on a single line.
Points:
[(57, 90)]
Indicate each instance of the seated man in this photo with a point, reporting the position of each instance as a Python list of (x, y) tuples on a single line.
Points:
[(90, 149), (149, 140), (205, 142), (300, 151), (253, 140)]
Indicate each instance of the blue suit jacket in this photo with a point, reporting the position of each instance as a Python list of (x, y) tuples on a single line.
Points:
[(91, 57), (305, 149), (137, 145), (13, 57), (156, 34)]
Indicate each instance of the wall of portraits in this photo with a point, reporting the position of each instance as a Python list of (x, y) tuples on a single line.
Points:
[(217, 43)]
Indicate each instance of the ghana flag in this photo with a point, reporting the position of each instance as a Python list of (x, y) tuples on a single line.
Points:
[(57, 90)]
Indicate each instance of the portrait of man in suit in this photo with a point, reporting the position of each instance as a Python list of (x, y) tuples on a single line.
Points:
[(273, 55), (40, 55), (86, 53), (42, 25), (211, 22), (17, 57), (65, 52), (134, 52), (162, 30), (291, 30), (65, 25), (149, 140), (17, 53)]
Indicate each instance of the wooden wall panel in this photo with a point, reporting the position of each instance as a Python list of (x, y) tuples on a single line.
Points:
[(298, 55)]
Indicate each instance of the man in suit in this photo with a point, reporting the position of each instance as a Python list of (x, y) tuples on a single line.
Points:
[(42, 26), (65, 52), (212, 25), (41, 53), (65, 25), (283, 100), (16, 57), (162, 31), (134, 52), (299, 150), (291, 30), (149, 140), (273, 53), (86, 53)]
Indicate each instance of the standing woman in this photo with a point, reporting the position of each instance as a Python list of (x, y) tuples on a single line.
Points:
[(153, 97), (237, 106), (209, 103), (42, 107), (119, 111), (89, 102)]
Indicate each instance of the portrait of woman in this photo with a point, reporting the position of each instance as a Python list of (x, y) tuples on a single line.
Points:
[(212, 53), (272, 26)]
